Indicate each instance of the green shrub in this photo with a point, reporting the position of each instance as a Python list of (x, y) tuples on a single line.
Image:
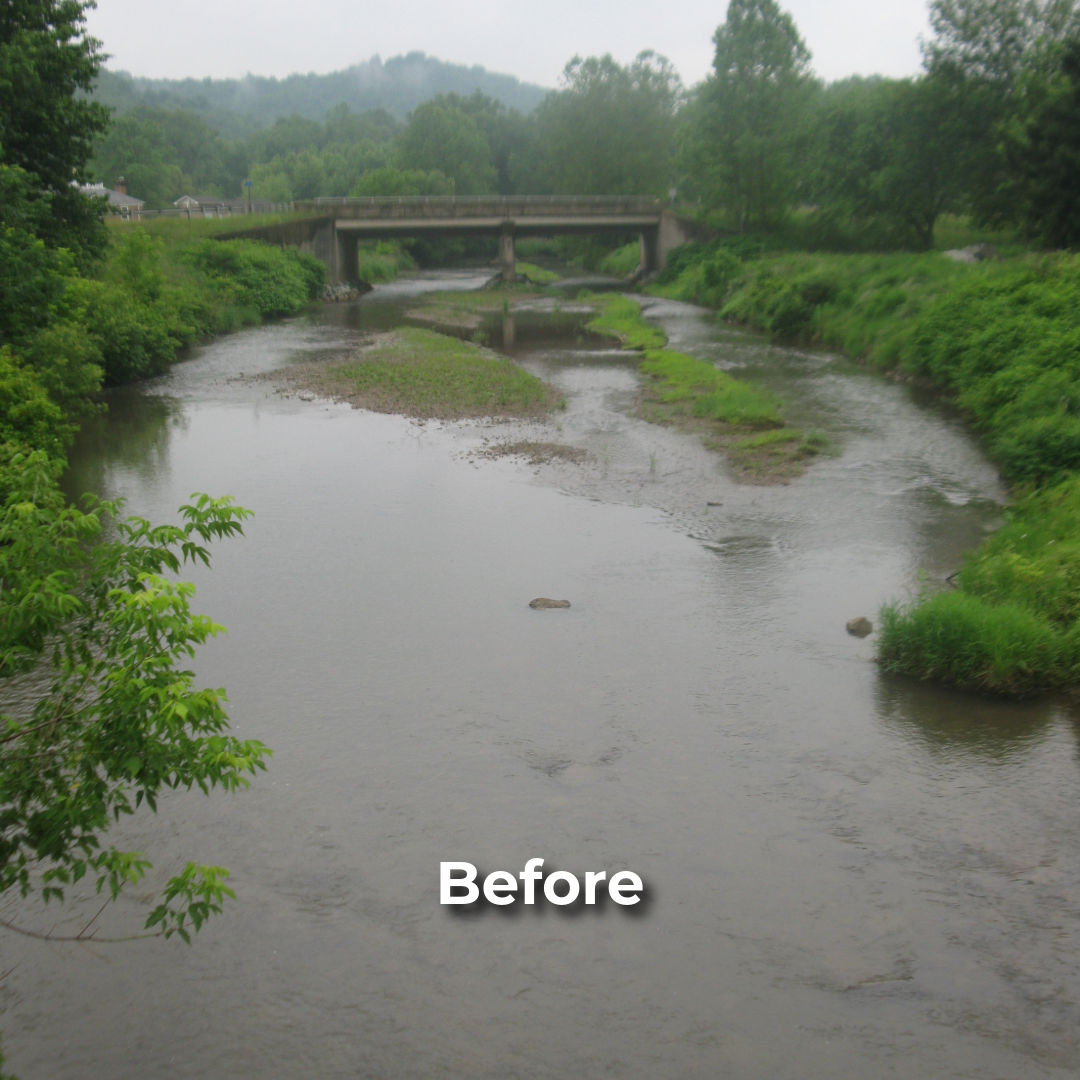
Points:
[(28, 417), (681, 259), (789, 315), (132, 339), (271, 280)]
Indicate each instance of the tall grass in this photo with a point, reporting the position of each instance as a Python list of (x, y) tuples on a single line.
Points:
[(977, 644), (383, 261)]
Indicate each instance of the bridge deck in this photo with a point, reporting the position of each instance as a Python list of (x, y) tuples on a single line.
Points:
[(519, 223)]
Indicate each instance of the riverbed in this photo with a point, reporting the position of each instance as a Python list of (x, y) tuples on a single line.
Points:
[(847, 875)]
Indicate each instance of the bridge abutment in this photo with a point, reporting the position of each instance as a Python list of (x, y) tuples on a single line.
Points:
[(650, 251)]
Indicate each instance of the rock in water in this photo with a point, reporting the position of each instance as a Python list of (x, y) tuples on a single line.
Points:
[(544, 602), (860, 627)]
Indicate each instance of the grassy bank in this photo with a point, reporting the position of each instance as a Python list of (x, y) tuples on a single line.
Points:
[(1012, 625), (156, 294), (66, 335), (694, 394), (1002, 339), (378, 261), (419, 373)]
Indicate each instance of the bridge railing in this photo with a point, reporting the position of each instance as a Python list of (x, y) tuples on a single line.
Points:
[(210, 210), (507, 206)]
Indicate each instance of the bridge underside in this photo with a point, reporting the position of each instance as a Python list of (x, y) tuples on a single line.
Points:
[(344, 265)]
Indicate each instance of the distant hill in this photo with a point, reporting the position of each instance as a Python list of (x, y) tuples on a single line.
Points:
[(237, 106)]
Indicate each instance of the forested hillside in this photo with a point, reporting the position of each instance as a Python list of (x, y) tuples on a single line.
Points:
[(238, 107)]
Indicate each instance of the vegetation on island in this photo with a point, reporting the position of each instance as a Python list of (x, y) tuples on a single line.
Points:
[(695, 394), (423, 374)]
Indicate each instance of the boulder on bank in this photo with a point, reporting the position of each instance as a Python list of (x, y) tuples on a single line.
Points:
[(972, 254), (543, 602), (344, 291)]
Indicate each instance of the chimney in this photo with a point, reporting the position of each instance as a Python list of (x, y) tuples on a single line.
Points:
[(121, 186)]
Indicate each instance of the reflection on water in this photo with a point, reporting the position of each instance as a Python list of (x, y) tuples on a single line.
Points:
[(952, 724), (850, 875), (131, 436)]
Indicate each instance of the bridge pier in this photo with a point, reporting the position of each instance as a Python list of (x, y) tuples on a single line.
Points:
[(347, 268), (507, 260)]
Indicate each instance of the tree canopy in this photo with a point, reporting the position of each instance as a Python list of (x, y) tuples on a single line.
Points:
[(1042, 149), (996, 40), (442, 136), (749, 123), (48, 123), (610, 128)]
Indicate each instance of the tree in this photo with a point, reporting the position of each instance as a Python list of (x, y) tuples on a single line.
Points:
[(986, 49), (610, 129), (98, 712), (47, 121), (889, 156), (135, 148), (505, 130), (994, 41), (749, 124), (441, 136), (1042, 150), (391, 181), (920, 173), (122, 719)]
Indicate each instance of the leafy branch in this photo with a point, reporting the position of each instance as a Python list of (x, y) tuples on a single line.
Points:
[(85, 606)]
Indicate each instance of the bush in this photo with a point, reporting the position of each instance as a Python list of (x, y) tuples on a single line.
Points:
[(132, 339), (681, 259), (28, 417), (270, 280)]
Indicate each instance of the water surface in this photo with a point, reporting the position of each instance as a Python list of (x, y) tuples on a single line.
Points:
[(848, 875)]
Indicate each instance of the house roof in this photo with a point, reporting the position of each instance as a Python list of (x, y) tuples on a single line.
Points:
[(98, 191), (206, 200)]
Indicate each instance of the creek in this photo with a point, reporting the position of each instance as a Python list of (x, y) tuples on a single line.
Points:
[(847, 875)]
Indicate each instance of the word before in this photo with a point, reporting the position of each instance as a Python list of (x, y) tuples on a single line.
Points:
[(457, 885)]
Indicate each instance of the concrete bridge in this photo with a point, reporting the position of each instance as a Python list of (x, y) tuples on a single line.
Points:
[(335, 227)]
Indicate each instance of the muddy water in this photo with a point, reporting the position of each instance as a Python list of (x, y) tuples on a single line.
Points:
[(847, 875)]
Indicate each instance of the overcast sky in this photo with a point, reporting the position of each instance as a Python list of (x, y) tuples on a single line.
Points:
[(230, 38)]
